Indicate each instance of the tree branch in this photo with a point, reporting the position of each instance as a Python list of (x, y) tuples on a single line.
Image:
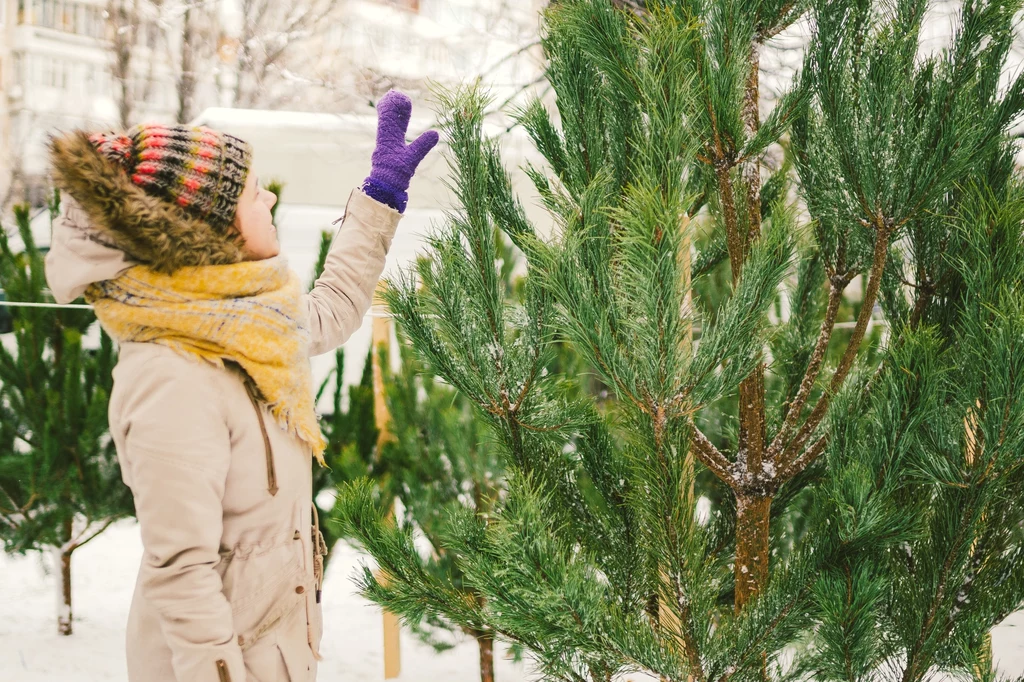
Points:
[(102, 528), (711, 456), (800, 463), (835, 297), (777, 25), (883, 227)]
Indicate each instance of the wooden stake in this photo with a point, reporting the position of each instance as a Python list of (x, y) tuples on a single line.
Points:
[(382, 419), (971, 454), (668, 620)]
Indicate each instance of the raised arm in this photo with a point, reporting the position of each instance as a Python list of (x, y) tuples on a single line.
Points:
[(344, 291)]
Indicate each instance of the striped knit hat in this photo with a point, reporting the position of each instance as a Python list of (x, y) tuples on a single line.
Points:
[(201, 170)]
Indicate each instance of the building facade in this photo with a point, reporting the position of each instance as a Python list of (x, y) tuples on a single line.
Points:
[(61, 63), (56, 73)]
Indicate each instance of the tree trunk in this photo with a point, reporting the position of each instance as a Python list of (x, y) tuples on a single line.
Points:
[(752, 510), (187, 81), (752, 516), (486, 644), (63, 557), (123, 21)]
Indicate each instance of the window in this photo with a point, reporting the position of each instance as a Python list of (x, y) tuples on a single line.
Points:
[(67, 17), (91, 80), (24, 13), (45, 13), (437, 55), (19, 69), (96, 23)]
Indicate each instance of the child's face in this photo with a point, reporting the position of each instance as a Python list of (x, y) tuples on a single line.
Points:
[(252, 219)]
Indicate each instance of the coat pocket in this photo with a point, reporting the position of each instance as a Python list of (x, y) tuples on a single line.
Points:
[(264, 589), (298, 657), (265, 663)]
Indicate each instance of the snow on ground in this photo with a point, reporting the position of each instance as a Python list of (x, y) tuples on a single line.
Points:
[(103, 578)]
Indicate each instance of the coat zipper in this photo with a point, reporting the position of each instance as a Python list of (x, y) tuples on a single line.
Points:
[(271, 471), (222, 671)]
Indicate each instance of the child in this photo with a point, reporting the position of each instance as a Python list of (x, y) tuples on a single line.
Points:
[(169, 236)]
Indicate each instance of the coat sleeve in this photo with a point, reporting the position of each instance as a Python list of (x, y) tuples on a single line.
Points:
[(344, 292), (178, 450)]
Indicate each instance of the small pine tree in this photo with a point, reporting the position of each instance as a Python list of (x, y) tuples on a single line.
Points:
[(277, 187), (351, 442), (898, 463), (440, 460), (60, 485), (350, 430), (436, 457)]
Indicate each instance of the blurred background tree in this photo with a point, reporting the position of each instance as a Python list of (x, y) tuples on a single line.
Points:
[(60, 485)]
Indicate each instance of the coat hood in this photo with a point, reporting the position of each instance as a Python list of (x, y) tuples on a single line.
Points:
[(78, 255), (121, 215)]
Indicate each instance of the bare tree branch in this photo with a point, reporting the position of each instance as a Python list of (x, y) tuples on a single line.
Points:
[(130, 21), (270, 34)]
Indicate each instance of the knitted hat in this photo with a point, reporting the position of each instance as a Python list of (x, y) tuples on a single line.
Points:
[(164, 195), (199, 169)]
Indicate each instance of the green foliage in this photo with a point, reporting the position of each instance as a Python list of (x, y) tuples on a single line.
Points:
[(350, 430), (59, 480), (351, 441), (276, 186), (864, 437), (937, 482), (439, 462)]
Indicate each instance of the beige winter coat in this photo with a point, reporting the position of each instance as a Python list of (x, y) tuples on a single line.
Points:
[(226, 590)]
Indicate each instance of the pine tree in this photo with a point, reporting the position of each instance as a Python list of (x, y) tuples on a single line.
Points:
[(436, 457), (351, 442), (895, 458), (936, 484), (439, 460), (350, 430), (60, 485)]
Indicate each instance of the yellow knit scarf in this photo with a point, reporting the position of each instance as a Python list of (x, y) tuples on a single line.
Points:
[(248, 312)]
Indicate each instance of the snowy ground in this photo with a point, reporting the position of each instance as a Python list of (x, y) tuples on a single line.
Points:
[(103, 578)]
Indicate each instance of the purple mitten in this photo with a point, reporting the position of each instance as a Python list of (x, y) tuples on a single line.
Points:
[(394, 162)]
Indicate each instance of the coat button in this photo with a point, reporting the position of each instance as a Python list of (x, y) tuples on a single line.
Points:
[(296, 536), (241, 640), (300, 589)]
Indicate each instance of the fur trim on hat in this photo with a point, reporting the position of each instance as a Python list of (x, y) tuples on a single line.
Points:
[(147, 229)]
